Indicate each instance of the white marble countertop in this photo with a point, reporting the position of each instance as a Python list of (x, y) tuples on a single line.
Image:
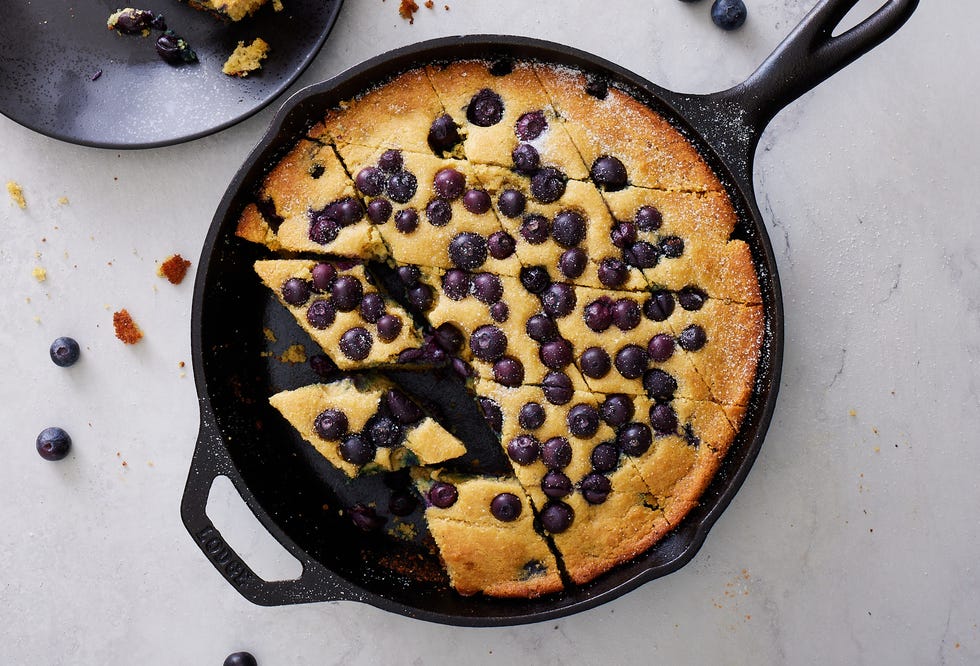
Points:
[(855, 538)]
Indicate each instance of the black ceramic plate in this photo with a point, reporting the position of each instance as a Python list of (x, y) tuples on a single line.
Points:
[(52, 51)]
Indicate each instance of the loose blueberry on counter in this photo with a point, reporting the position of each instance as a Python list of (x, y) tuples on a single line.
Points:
[(659, 385), (488, 343), (609, 173), (449, 337), (487, 288), (659, 306), (356, 344), (508, 372), (379, 211), (605, 457), (402, 503), (557, 387), (407, 221), (530, 125), (53, 444), (663, 418), (691, 298), (534, 229), (531, 416), (365, 518), (568, 228), (631, 361), (449, 183), (642, 255), (323, 276), (331, 424), (64, 351), (485, 109), (558, 300), (556, 517), (728, 14), (660, 348), (443, 495), (548, 185), (595, 363), (401, 186), (421, 296), (556, 453), (372, 307), (612, 272), (391, 160), (456, 284), (240, 659), (583, 421), (634, 439), (443, 135), (468, 250), (523, 449), (492, 414), (572, 262), (506, 507), (617, 409), (595, 488), (556, 354), (541, 328), (672, 246), (626, 314), (526, 159), (389, 326), (556, 485), (402, 408), (295, 291), (511, 203), (321, 314), (692, 338), (370, 181), (356, 450), (499, 312), (501, 245), (477, 202), (383, 432), (347, 293)]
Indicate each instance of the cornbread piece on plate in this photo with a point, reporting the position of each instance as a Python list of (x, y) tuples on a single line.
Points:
[(484, 530), (341, 309), (364, 424), (236, 10), (246, 59)]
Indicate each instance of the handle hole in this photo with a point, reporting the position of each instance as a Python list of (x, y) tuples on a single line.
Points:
[(859, 12), (245, 534)]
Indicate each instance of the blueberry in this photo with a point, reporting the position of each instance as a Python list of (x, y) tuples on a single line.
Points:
[(595, 488), (530, 125), (556, 485), (174, 49), (523, 449), (617, 409), (672, 246), (659, 385), (64, 352), (728, 14), (605, 457), (443, 495), (402, 407), (449, 183), (443, 135), (331, 424), (488, 343), (608, 173), (356, 343), (365, 518), (456, 284), (53, 444), (558, 300), (402, 503), (583, 421), (612, 272), (391, 160), (596, 86), (595, 363), (323, 276), (407, 221), (660, 348), (485, 109), (648, 218), (487, 288), (557, 388), (598, 314), (468, 250), (133, 21), (568, 228), (526, 158), (556, 517), (535, 278), (347, 293), (323, 230), (321, 314), (531, 416), (691, 298), (508, 372), (409, 275), (240, 659), (556, 354), (492, 414), (389, 326), (623, 234), (659, 306), (634, 439), (572, 262), (501, 245), (356, 450), (158, 22), (631, 361), (383, 432), (692, 338), (323, 366), (642, 255), (663, 419), (499, 312), (477, 202), (350, 211), (295, 291), (506, 507), (556, 453), (541, 328), (379, 211), (534, 229), (548, 185), (511, 203), (438, 212), (421, 296), (370, 181), (626, 314), (461, 368), (401, 186)]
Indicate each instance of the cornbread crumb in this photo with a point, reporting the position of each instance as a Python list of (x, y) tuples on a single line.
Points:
[(294, 354), (277, 5), (270, 335), (174, 268), (39, 274), (16, 193), (126, 328), (62, 201), (408, 9), (429, 4), (246, 59)]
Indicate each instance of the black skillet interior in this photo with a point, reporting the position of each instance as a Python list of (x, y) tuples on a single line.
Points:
[(296, 494)]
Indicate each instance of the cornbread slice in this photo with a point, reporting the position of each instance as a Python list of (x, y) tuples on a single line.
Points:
[(246, 59), (236, 10)]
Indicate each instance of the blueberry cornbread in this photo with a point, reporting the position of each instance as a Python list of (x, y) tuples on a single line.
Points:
[(235, 10), (569, 254)]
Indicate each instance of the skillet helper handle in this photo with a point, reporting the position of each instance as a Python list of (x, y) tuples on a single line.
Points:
[(210, 461), (811, 54)]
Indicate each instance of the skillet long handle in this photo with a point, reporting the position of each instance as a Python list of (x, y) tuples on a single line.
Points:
[(210, 461), (811, 53)]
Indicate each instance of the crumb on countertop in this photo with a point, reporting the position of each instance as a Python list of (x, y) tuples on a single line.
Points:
[(126, 328), (174, 268), (39, 274), (246, 59), (429, 4), (62, 201), (407, 10), (16, 193)]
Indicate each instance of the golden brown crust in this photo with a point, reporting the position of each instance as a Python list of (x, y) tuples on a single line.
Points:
[(174, 268), (252, 226), (126, 328)]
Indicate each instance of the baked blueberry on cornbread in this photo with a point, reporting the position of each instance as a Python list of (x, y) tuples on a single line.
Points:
[(570, 255)]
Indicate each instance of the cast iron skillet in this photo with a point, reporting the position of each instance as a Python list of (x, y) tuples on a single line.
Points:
[(296, 495)]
